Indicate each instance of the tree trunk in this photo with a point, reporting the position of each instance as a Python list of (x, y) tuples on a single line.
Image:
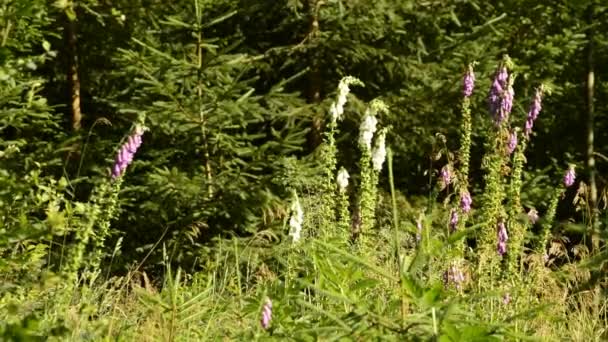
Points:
[(590, 97), (73, 78)]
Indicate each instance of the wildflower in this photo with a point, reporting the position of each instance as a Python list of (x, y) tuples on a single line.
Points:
[(453, 219), (446, 176), (126, 152), (337, 108), (342, 179), (502, 238), (465, 201), (534, 110), (570, 176), (501, 96), (468, 82), (379, 152), (512, 143), (367, 129), (453, 275), (266, 314), (533, 215), (296, 220)]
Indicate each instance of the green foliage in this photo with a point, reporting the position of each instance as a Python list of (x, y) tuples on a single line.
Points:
[(239, 97)]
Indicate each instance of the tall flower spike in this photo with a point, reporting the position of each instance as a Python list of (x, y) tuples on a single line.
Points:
[(367, 129), (503, 237), (266, 314), (296, 220), (534, 110), (465, 201), (468, 82), (570, 176), (337, 108), (127, 151), (501, 94), (342, 179), (512, 143), (446, 176), (379, 152), (453, 220)]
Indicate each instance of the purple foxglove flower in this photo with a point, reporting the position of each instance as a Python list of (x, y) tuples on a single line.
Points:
[(506, 105), (465, 201), (468, 82), (266, 314), (569, 177), (446, 176), (534, 110), (501, 96), (453, 219), (126, 152), (502, 238), (533, 215), (512, 143)]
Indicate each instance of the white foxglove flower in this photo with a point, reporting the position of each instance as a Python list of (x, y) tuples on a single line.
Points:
[(379, 152), (367, 130), (337, 108), (296, 220), (342, 179)]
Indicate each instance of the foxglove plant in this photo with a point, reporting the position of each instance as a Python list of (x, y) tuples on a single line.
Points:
[(367, 129), (344, 215), (501, 94), (370, 163), (453, 220), (568, 181), (296, 220), (494, 162), (446, 176), (518, 228), (502, 237), (379, 151), (104, 204), (465, 201), (464, 154), (570, 176), (329, 152), (127, 152), (266, 314), (512, 143), (534, 110)]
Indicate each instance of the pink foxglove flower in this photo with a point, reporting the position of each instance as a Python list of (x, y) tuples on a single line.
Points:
[(266, 314), (465, 201), (126, 152), (569, 177), (535, 109), (512, 143), (468, 82), (501, 96), (453, 219), (503, 237)]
